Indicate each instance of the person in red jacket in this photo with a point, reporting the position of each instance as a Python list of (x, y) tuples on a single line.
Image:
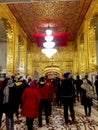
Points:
[(30, 104), (45, 94)]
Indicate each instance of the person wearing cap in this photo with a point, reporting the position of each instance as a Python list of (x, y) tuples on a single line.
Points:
[(30, 104), (67, 94), (96, 85)]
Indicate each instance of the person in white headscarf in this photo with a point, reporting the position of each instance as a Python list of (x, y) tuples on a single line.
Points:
[(87, 93)]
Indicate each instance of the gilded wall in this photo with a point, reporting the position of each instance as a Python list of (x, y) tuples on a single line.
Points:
[(61, 62), (87, 45), (15, 57)]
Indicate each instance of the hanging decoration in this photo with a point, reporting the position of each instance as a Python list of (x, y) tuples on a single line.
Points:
[(60, 38), (49, 49)]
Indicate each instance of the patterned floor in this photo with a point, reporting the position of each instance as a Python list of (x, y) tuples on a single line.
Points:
[(57, 121)]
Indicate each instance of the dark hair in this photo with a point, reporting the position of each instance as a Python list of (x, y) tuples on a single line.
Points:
[(78, 76), (86, 76), (42, 79)]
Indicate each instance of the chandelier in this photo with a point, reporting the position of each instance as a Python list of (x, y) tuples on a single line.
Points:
[(49, 49), (49, 44), (49, 52)]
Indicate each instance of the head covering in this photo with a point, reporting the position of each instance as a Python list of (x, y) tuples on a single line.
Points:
[(8, 76), (57, 79), (66, 75), (85, 81), (96, 76), (29, 78), (86, 76), (42, 79), (33, 84), (20, 78)]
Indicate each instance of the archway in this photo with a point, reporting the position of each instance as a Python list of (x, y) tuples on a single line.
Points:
[(52, 71)]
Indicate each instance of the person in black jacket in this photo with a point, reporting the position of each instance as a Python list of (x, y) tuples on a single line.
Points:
[(67, 94), (9, 103), (78, 82)]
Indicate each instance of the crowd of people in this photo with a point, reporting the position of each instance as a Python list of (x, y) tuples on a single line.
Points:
[(31, 98)]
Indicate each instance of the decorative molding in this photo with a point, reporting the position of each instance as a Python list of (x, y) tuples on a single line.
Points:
[(30, 1), (93, 21)]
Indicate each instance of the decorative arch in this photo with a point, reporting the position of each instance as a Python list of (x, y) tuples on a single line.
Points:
[(52, 71)]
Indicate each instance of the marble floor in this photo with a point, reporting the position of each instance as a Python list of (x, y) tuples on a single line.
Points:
[(57, 120)]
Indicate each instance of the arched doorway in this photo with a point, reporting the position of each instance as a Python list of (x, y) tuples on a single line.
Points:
[(52, 71)]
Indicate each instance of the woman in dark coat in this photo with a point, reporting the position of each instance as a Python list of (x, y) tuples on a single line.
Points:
[(30, 104)]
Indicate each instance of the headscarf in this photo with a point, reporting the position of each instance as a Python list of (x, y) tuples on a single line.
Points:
[(42, 80), (33, 84), (96, 76)]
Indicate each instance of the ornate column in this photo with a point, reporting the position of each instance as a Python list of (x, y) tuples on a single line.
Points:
[(22, 55), (10, 50), (16, 45), (81, 55), (75, 61), (86, 57), (29, 59), (92, 44)]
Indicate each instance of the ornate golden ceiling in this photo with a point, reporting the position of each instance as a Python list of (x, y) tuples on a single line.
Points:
[(61, 16)]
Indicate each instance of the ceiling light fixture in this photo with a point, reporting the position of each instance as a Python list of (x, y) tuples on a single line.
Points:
[(49, 52), (49, 32), (49, 44), (48, 49), (48, 38)]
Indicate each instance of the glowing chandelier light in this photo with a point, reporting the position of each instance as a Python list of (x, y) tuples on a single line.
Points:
[(49, 32), (48, 38), (49, 52), (48, 49), (49, 44)]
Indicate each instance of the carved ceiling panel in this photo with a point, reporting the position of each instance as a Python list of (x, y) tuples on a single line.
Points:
[(61, 16)]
